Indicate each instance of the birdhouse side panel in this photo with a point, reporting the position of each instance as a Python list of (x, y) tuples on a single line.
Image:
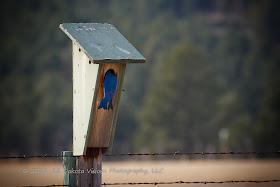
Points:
[(106, 105), (84, 80)]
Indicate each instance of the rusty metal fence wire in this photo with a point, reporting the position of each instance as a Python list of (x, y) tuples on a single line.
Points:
[(149, 154), (177, 153), (179, 182)]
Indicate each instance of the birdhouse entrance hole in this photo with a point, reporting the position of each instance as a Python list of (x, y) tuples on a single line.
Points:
[(113, 72)]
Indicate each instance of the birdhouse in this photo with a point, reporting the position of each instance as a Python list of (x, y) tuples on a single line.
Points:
[(100, 55)]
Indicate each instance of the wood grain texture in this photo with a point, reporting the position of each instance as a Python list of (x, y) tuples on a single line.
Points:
[(107, 150), (91, 165), (103, 121)]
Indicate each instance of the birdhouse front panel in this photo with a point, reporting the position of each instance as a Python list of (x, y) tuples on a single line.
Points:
[(106, 104)]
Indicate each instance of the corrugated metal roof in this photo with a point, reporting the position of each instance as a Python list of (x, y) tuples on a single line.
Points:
[(102, 43)]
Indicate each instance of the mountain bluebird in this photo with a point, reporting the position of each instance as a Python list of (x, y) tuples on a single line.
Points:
[(110, 85)]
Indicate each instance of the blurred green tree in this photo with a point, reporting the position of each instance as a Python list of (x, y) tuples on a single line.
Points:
[(211, 65), (180, 102)]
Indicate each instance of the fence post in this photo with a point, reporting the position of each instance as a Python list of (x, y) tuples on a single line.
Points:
[(69, 165), (89, 168)]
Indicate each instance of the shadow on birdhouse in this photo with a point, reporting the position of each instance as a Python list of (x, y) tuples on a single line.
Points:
[(100, 55)]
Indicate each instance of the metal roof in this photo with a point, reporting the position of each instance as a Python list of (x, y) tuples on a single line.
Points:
[(102, 43)]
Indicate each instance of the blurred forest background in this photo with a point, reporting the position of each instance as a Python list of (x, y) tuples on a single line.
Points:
[(211, 81)]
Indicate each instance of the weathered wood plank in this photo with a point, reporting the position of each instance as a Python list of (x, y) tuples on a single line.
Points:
[(84, 81), (102, 43), (91, 165), (107, 150), (103, 121)]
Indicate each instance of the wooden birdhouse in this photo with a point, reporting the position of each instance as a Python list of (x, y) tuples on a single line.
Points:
[(100, 55)]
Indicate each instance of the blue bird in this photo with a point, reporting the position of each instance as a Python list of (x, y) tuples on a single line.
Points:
[(110, 85)]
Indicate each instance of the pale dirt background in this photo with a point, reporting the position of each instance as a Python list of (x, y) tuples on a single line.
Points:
[(11, 172)]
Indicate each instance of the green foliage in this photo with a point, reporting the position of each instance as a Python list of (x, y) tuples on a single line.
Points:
[(180, 102), (211, 65)]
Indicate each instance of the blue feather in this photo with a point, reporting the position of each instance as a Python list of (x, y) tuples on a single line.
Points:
[(110, 85)]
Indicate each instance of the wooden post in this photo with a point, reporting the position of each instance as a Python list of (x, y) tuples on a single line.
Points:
[(69, 165), (89, 168)]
